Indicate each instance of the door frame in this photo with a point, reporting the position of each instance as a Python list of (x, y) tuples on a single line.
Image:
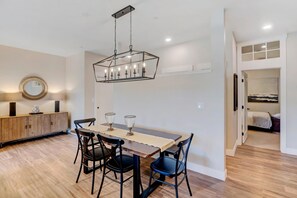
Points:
[(244, 87), (277, 63)]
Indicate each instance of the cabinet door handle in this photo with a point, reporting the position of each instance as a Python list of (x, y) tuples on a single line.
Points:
[(29, 126), (52, 123), (26, 127)]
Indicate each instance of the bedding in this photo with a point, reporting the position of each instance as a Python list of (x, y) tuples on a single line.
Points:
[(259, 119), (276, 122)]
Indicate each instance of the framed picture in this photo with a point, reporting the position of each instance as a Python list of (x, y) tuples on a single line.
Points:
[(235, 92), (263, 90)]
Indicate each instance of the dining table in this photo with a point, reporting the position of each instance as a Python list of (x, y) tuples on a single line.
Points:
[(144, 143)]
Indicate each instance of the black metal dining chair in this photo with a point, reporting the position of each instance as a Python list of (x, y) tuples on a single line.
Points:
[(173, 167), (119, 162), (90, 153), (79, 124)]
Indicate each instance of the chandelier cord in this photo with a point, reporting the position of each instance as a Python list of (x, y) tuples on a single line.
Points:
[(130, 46), (115, 36)]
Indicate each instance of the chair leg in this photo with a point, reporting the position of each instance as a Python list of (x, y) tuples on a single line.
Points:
[(188, 184), (115, 175), (121, 191), (141, 187), (76, 154), (93, 179), (103, 175), (81, 164), (176, 187)]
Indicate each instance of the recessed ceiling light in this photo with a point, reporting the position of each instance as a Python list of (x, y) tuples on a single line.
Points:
[(267, 27), (168, 39)]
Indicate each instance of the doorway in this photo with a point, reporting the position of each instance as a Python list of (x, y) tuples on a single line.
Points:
[(261, 108)]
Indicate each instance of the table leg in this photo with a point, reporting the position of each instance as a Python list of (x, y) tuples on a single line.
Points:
[(154, 185), (136, 176)]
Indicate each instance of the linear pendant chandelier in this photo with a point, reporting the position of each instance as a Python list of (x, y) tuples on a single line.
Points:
[(131, 65)]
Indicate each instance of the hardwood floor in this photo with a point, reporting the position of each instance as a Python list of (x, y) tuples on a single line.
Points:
[(44, 168)]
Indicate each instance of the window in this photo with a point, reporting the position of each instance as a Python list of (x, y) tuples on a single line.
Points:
[(261, 51)]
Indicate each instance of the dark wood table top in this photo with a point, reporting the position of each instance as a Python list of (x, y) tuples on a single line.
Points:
[(143, 150)]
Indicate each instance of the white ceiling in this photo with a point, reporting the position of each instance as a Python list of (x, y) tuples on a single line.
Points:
[(66, 27)]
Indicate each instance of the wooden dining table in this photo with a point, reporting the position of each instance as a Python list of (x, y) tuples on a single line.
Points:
[(140, 150)]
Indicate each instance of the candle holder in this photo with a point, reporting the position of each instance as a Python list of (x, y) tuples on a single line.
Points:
[(109, 119), (130, 121), (143, 70), (119, 73)]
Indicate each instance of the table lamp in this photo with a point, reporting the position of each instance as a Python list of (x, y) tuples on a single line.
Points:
[(57, 97), (11, 98)]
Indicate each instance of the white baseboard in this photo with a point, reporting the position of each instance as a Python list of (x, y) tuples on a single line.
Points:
[(238, 141), (290, 151), (231, 152), (221, 175)]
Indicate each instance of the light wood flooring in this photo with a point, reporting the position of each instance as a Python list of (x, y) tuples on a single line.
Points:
[(44, 168)]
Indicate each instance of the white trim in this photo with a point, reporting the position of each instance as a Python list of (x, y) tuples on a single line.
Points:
[(231, 152), (290, 151), (283, 98), (263, 40), (221, 175), (280, 63)]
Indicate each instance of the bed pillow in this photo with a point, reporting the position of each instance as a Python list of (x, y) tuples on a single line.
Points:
[(276, 115)]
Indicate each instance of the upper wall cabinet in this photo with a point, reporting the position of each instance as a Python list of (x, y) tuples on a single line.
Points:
[(260, 51)]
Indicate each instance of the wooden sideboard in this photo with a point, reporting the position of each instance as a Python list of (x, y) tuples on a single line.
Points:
[(29, 126)]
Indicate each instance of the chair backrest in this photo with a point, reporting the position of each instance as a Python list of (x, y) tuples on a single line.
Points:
[(84, 137), (183, 150), (116, 144), (89, 121)]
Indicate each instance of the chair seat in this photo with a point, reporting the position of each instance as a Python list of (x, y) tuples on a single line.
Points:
[(166, 166), (98, 153), (127, 163)]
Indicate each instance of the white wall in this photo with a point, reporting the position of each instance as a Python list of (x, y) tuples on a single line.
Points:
[(272, 108), (80, 83), (90, 104), (171, 102), (231, 115), (292, 92), (16, 64), (75, 86), (189, 53)]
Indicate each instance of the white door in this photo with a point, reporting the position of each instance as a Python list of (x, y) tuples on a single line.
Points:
[(244, 127), (104, 101)]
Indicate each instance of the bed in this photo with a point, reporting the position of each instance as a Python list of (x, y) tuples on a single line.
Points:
[(263, 121)]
